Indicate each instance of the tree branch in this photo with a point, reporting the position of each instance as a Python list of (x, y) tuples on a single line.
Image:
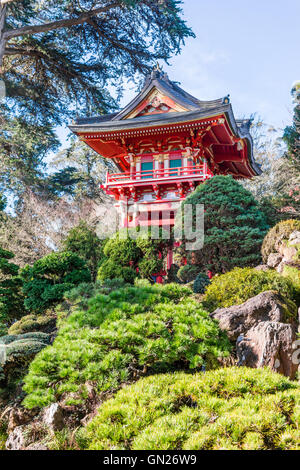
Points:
[(2, 39), (58, 24)]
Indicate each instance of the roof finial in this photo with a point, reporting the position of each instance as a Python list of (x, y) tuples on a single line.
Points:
[(157, 67)]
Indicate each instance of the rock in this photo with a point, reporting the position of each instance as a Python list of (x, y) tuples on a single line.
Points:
[(267, 306), (19, 416), (271, 344), (37, 446), (18, 439), (262, 267), (53, 417), (294, 238), (274, 259)]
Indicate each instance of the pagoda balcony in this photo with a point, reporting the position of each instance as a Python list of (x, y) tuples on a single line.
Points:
[(161, 176)]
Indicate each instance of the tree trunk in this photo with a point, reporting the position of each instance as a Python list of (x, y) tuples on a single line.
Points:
[(2, 40)]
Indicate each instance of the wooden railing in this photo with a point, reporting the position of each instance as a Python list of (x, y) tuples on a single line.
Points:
[(179, 172)]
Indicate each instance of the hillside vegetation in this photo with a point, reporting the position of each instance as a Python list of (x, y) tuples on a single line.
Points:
[(116, 337)]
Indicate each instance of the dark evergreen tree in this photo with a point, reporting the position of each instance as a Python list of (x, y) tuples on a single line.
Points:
[(84, 241), (11, 297), (234, 225)]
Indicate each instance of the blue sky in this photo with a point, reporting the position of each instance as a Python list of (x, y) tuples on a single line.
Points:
[(248, 49)]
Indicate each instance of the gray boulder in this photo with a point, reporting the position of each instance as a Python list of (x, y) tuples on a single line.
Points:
[(265, 331), (267, 306), (273, 260), (269, 344), (18, 439), (53, 417)]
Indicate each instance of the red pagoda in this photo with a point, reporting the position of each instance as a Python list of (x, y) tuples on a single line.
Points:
[(165, 143)]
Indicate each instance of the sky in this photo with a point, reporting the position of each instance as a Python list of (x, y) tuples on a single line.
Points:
[(249, 50)]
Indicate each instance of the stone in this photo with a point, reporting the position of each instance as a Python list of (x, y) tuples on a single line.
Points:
[(19, 416), (269, 344), (294, 238), (18, 439), (266, 306), (37, 446), (53, 417), (262, 267), (274, 259)]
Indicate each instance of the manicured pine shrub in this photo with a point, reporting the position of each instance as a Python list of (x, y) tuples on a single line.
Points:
[(121, 336), (240, 284), (226, 409), (45, 283)]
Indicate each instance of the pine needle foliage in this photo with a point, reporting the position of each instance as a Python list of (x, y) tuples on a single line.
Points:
[(226, 409), (118, 337)]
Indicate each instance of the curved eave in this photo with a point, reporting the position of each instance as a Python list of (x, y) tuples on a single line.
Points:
[(242, 132), (152, 120)]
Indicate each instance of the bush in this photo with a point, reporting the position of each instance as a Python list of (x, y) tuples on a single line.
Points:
[(110, 270), (31, 323), (234, 408), (121, 336), (200, 283), (50, 277), (241, 284), (188, 273), (84, 242), (137, 255), (234, 225), (19, 352), (280, 232)]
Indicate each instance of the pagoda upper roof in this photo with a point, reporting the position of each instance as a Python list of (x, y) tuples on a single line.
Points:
[(159, 81)]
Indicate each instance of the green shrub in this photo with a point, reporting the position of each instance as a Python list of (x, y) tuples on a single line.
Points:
[(45, 283), (31, 323), (130, 255), (234, 408), (110, 270), (240, 284), (120, 336), (280, 232), (84, 242), (200, 284), (188, 273), (234, 225), (19, 351)]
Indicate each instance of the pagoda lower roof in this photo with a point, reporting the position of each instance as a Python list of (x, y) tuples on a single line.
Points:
[(107, 124)]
